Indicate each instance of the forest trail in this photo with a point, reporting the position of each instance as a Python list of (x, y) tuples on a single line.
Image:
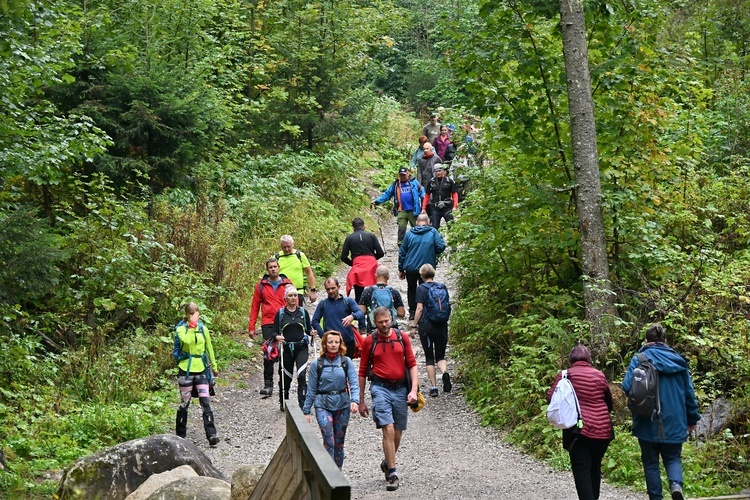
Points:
[(445, 452)]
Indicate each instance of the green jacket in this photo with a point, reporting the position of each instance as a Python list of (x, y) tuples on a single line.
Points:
[(196, 344)]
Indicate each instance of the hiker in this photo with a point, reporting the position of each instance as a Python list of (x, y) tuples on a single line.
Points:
[(422, 244), (381, 295), (426, 165), (361, 250), (407, 194), (268, 298), (432, 334), (292, 326), (432, 128), (390, 368), (587, 445), (338, 313), (441, 142), (333, 388), (442, 195), (192, 376), (294, 265), (679, 414), (418, 152)]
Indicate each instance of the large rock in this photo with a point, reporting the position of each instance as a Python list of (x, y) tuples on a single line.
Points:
[(156, 481), (193, 488), (715, 419), (244, 480), (116, 472)]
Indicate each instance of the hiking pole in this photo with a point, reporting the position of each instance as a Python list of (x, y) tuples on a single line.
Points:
[(377, 219), (283, 376)]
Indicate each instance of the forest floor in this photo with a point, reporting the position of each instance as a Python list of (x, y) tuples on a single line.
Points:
[(445, 453)]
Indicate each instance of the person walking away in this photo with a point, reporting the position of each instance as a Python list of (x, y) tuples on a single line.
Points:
[(391, 367), (432, 128), (426, 165), (417, 152), (361, 251), (441, 142), (381, 295), (192, 376), (294, 265), (441, 195), (337, 313), (407, 205), (432, 334), (268, 298), (333, 389), (422, 244), (679, 414), (587, 445), (291, 327)]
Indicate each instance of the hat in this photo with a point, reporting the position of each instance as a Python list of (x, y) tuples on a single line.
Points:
[(415, 407), (403, 170), (438, 166), (434, 113)]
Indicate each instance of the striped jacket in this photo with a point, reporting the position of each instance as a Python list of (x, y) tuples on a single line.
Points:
[(594, 399)]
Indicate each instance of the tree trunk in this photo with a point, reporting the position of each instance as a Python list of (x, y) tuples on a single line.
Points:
[(598, 294)]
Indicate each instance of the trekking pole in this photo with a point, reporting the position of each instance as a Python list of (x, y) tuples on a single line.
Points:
[(377, 218), (283, 375)]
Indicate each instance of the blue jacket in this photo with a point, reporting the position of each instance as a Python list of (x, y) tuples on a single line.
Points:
[(333, 311), (679, 407), (421, 245), (332, 378), (391, 193)]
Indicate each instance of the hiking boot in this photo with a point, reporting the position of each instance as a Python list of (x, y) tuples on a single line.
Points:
[(392, 484), (267, 388), (447, 386), (213, 440), (675, 489), (434, 392)]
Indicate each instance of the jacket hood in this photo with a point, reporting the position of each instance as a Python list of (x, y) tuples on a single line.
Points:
[(666, 359), (421, 229)]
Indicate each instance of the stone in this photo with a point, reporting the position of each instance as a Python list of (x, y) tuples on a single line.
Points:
[(244, 480), (715, 419), (118, 471), (156, 481), (193, 488)]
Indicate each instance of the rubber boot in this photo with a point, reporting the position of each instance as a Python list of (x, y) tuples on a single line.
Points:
[(267, 388), (210, 428), (181, 422), (301, 393)]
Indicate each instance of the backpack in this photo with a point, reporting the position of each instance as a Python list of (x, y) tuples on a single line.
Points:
[(399, 339), (344, 365), (643, 396), (177, 353), (438, 306), (563, 411), (296, 252), (381, 297)]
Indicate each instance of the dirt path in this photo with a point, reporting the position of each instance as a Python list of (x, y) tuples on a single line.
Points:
[(445, 453)]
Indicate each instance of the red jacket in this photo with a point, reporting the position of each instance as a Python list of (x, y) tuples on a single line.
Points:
[(389, 361), (271, 302), (594, 399)]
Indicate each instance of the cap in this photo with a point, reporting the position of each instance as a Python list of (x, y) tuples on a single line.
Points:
[(403, 170), (438, 166)]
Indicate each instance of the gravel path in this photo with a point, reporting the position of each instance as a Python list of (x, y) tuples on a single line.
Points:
[(445, 453)]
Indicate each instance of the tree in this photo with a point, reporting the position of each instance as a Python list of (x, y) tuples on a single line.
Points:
[(598, 294)]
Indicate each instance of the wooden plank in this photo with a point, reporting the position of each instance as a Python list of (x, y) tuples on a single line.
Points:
[(726, 497)]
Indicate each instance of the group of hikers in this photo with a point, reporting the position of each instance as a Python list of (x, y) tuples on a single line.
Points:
[(366, 327)]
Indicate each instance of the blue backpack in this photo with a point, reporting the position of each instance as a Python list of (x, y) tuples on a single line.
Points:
[(177, 351), (438, 306), (381, 297)]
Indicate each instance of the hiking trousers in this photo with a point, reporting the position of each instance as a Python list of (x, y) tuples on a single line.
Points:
[(333, 424), (586, 462), (434, 339), (441, 213), (671, 455), (413, 280), (403, 218), (268, 365), (189, 383), (293, 353)]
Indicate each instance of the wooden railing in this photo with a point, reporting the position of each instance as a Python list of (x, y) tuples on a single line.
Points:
[(301, 467)]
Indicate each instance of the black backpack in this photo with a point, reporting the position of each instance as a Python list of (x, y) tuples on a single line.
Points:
[(643, 396)]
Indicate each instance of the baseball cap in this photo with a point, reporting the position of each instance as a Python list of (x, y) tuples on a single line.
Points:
[(403, 170)]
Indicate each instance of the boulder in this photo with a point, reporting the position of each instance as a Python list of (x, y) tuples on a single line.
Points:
[(118, 471), (244, 479), (193, 488), (156, 481), (715, 419)]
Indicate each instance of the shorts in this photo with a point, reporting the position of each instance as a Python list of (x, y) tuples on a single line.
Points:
[(389, 406)]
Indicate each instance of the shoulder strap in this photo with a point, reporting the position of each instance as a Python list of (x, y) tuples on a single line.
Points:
[(296, 252)]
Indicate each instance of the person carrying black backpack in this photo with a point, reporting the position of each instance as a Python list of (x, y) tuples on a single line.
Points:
[(663, 434), (433, 311)]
